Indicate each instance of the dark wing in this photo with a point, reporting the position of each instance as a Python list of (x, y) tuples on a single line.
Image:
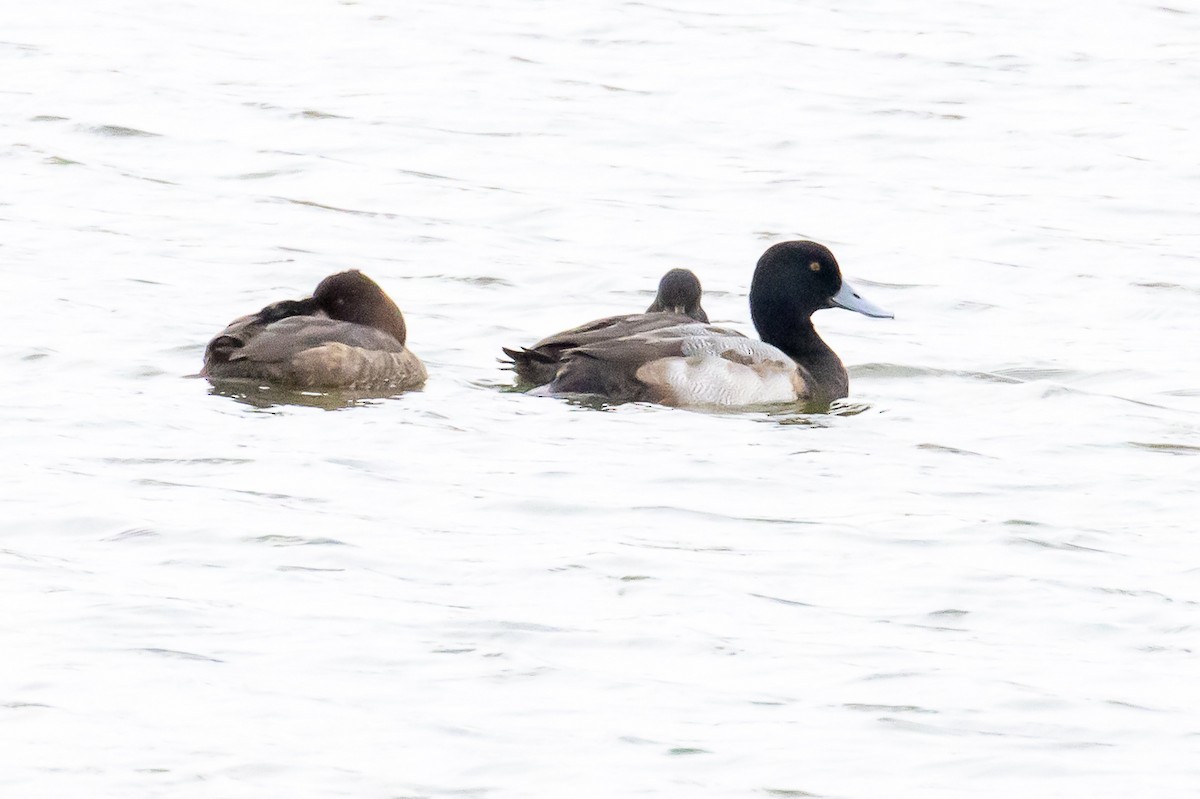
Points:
[(249, 340), (241, 330), (282, 340), (537, 365), (609, 369)]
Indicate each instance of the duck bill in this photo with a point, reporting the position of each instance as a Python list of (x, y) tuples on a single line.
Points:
[(849, 298)]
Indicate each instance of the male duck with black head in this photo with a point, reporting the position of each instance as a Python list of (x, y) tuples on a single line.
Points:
[(677, 302), (347, 335), (703, 365)]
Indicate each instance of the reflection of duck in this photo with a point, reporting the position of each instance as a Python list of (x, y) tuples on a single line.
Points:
[(678, 300), (674, 361), (348, 334)]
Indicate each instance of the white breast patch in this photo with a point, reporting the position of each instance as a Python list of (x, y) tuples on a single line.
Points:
[(712, 380), (720, 367)]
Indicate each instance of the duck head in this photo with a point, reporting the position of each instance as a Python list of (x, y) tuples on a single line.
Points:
[(794, 279), (679, 292), (353, 297)]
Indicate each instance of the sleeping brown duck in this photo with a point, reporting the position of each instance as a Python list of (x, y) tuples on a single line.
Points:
[(348, 334)]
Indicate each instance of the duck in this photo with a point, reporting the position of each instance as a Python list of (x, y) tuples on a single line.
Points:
[(679, 292), (677, 301), (680, 362), (348, 335)]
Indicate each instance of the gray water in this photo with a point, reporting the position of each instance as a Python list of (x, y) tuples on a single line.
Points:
[(977, 576)]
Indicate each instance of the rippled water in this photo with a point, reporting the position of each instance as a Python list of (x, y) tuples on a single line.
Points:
[(978, 576)]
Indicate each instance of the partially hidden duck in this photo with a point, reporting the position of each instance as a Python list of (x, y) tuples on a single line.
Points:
[(677, 302), (676, 361), (347, 335)]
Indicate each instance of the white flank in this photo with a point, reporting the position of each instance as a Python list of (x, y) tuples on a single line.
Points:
[(711, 380)]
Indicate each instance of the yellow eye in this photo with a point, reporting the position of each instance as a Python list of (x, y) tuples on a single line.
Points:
[(815, 266)]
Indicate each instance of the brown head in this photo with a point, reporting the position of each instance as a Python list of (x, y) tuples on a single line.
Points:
[(353, 297), (679, 292)]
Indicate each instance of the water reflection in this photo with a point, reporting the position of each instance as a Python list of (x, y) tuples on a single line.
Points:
[(264, 397)]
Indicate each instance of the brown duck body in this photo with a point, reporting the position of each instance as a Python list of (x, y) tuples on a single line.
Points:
[(348, 335), (677, 302)]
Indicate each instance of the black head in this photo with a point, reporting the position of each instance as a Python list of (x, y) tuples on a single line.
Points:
[(353, 297), (795, 278), (679, 292)]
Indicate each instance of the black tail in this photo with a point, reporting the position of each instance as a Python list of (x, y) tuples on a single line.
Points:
[(533, 367)]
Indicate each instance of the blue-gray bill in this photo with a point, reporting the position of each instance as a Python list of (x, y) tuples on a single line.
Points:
[(849, 298)]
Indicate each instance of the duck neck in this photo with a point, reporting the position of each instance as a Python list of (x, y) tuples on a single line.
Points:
[(804, 345)]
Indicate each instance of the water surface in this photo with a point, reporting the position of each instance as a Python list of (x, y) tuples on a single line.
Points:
[(979, 575)]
